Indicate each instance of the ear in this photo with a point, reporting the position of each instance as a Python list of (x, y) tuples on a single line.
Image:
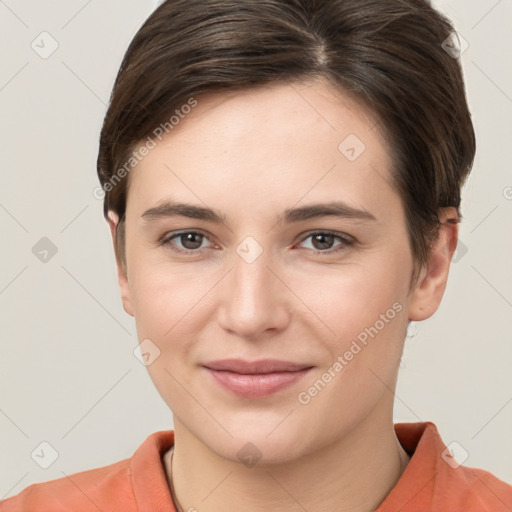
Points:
[(431, 284), (122, 274)]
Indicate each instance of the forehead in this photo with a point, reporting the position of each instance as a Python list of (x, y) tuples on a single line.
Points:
[(279, 143), (313, 108)]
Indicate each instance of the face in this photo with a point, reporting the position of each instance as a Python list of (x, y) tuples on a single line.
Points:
[(252, 271)]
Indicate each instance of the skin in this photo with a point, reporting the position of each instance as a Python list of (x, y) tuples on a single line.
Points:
[(249, 156)]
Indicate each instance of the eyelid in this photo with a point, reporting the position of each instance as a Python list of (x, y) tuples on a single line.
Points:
[(343, 236), (171, 234)]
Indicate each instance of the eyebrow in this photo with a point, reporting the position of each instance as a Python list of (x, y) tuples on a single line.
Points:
[(290, 215)]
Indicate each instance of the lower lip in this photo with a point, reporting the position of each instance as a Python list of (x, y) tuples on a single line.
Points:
[(256, 385)]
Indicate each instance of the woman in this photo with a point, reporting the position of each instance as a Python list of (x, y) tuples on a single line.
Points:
[(282, 182)]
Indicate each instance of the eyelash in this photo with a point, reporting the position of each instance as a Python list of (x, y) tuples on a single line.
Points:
[(346, 242)]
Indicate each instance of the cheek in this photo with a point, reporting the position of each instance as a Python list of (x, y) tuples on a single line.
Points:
[(172, 307), (363, 317), (167, 304), (353, 295), (161, 292)]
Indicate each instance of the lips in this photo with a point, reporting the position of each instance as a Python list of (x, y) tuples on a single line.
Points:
[(256, 379), (252, 367)]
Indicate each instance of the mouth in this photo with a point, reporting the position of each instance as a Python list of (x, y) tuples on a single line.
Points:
[(256, 379)]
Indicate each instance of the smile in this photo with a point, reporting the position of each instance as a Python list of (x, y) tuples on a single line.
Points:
[(256, 379)]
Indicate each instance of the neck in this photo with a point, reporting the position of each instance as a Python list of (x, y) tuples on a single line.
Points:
[(356, 473)]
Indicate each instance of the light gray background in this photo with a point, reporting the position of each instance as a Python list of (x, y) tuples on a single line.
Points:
[(68, 373)]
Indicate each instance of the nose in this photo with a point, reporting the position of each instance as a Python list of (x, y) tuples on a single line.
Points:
[(253, 298)]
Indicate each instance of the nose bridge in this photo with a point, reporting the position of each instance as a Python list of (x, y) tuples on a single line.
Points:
[(251, 301), (251, 276)]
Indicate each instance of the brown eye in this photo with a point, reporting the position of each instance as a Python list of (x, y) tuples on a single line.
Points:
[(324, 241), (191, 240), (186, 241)]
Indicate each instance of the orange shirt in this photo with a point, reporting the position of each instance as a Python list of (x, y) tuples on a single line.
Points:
[(429, 482)]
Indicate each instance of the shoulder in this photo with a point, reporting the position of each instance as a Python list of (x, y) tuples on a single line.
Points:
[(435, 481), (474, 490), (463, 487), (105, 488), (138, 482)]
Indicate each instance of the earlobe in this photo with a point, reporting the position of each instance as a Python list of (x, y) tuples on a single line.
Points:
[(122, 274), (433, 278)]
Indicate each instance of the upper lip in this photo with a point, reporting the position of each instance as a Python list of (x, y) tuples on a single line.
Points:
[(255, 367)]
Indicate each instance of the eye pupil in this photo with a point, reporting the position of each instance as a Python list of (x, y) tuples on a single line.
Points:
[(188, 238), (322, 239)]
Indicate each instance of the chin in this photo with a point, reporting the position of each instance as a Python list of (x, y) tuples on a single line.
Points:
[(258, 443)]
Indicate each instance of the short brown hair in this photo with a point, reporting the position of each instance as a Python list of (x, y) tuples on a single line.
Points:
[(390, 54)]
